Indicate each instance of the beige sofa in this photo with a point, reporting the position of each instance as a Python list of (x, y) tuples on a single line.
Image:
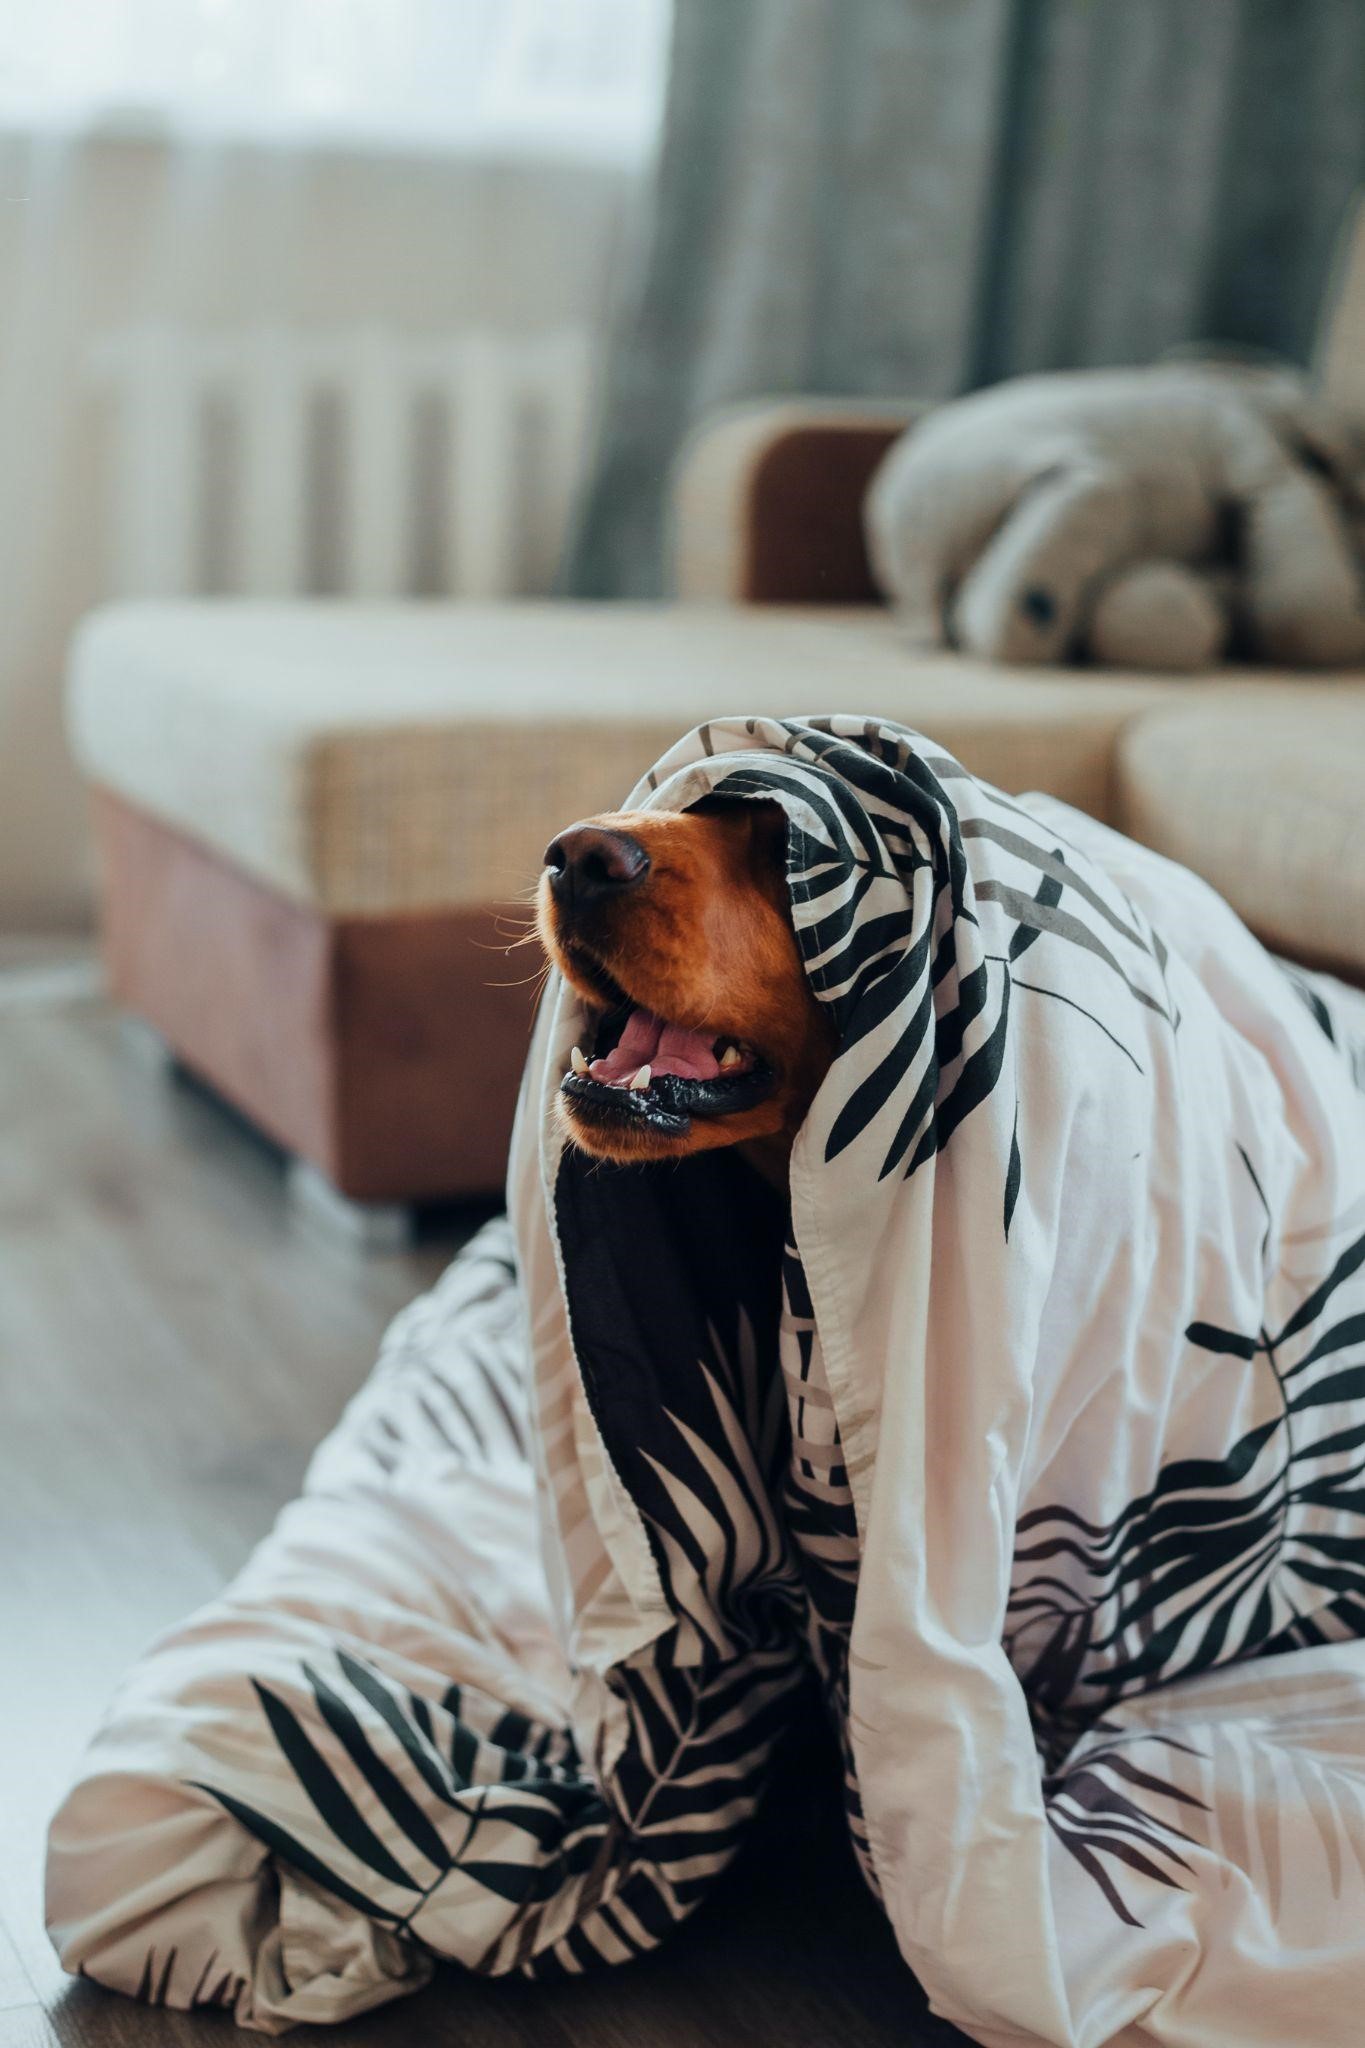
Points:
[(320, 822)]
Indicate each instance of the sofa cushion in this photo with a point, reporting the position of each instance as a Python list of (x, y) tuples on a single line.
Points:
[(1264, 797), (380, 757)]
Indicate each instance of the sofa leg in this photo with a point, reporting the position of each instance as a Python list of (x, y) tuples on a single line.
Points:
[(143, 1043), (369, 1226)]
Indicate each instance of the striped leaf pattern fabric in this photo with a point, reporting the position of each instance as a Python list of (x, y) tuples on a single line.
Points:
[(1033, 1423)]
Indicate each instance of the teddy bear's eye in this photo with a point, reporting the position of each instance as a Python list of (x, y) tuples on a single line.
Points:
[(1040, 604)]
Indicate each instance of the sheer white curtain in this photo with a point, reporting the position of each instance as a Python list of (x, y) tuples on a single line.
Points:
[(540, 74), (406, 168)]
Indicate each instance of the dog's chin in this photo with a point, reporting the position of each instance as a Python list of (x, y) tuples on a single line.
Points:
[(672, 1116), (627, 1137)]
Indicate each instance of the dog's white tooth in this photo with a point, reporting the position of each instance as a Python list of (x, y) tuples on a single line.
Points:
[(731, 1057), (640, 1079), (577, 1061)]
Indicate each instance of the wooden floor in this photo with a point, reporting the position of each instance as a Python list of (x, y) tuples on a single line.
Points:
[(172, 1345)]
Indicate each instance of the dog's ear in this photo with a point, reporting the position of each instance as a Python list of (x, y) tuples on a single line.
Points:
[(764, 820), (769, 830)]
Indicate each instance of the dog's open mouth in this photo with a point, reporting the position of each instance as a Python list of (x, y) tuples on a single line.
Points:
[(648, 1073)]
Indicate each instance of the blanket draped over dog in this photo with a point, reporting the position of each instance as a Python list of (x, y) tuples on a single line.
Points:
[(1036, 1427)]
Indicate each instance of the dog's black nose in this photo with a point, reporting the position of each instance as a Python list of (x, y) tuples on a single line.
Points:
[(588, 862)]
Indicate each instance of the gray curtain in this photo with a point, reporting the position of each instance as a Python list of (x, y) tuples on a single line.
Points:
[(904, 197)]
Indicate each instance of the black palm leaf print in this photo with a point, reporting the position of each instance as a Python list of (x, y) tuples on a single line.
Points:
[(1318, 999), (407, 1789), (1244, 1554), (213, 1986), (1224, 1556), (913, 955), (404, 1794), (1093, 1808)]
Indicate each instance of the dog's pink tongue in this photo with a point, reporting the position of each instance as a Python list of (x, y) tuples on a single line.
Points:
[(687, 1053), (664, 1048)]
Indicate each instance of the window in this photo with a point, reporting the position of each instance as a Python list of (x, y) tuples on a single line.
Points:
[(539, 76)]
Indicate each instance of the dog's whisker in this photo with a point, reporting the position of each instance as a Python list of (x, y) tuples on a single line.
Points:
[(541, 975), (507, 945)]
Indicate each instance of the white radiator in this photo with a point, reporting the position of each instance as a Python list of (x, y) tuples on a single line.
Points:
[(273, 461)]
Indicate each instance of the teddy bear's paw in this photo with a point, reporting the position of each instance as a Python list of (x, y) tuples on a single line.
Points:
[(1158, 615)]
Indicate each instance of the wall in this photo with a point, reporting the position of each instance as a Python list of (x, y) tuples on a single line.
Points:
[(104, 233)]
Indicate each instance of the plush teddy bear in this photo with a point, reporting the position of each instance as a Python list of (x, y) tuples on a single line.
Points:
[(1151, 518)]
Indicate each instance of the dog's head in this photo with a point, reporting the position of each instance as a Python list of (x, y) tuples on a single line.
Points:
[(675, 928)]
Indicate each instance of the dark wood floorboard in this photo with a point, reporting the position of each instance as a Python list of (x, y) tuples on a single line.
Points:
[(172, 1346)]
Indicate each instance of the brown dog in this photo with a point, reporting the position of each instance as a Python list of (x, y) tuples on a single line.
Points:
[(675, 928)]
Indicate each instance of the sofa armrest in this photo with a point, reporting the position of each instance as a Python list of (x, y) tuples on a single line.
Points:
[(1256, 788), (767, 501)]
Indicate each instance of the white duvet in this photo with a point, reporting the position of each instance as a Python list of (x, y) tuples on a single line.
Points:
[(1037, 1425)]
